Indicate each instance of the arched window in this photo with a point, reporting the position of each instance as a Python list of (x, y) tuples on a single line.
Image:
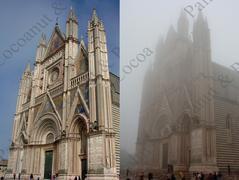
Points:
[(50, 138)]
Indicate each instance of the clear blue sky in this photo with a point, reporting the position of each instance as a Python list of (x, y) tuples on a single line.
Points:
[(17, 17)]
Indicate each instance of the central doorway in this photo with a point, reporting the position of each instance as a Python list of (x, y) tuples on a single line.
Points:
[(84, 168), (48, 164), (165, 156)]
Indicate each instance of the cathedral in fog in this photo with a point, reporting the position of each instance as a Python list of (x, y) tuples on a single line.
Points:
[(67, 115), (189, 117)]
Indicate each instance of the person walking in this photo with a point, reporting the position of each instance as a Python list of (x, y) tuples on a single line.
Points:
[(182, 177), (219, 176), (202, 176), (215, 176), (173, 177), (150, 176), (31, 177)]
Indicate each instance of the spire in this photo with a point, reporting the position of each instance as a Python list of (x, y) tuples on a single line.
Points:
[(201, 33), (171, 34), (171, 30), (82, 41), (183, 24), (171, 37), (200, 21), (94, 15), (42, 40), (27, 70), (56, 21), (72, 25), (57, 28), (200, 16), (72, 15), (57, 25)]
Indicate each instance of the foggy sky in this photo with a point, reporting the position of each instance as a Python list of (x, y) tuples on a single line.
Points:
[(143, 23)]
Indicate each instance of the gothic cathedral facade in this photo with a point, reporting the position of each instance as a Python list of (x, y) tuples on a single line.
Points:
[(189, 112), (67, 115)]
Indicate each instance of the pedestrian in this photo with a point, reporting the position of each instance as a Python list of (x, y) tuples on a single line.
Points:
[(219, 177), (173, 177), (150, 176), (31, 177), (19, 176), (215, 176), (199, 176), (14, 176), (141, 177), (168, 177), (202, 176), (127, 172), (182, 177), (210, 176), (229, 169)]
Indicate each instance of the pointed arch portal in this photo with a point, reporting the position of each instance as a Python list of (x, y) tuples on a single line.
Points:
[(79, 129)]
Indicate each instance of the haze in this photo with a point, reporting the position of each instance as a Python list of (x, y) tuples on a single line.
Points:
[(142, 25)]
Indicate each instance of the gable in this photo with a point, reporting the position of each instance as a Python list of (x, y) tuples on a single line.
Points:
[(81, 62), (49, 106), (79, 105), (56, 42)]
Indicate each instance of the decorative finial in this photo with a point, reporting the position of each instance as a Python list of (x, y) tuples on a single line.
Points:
[(43, 36), (57, 21), (28, 67), (94, 15)]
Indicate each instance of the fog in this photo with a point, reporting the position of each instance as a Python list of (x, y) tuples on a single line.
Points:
[(143, 23)]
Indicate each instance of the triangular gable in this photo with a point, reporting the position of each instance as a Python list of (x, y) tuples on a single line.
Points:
[(82, 50), (56, 41), (81, 60), (187, 103), (21, 132), (22, 125), (165, 107), (184, 100), (78, 100), (48, 106)]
